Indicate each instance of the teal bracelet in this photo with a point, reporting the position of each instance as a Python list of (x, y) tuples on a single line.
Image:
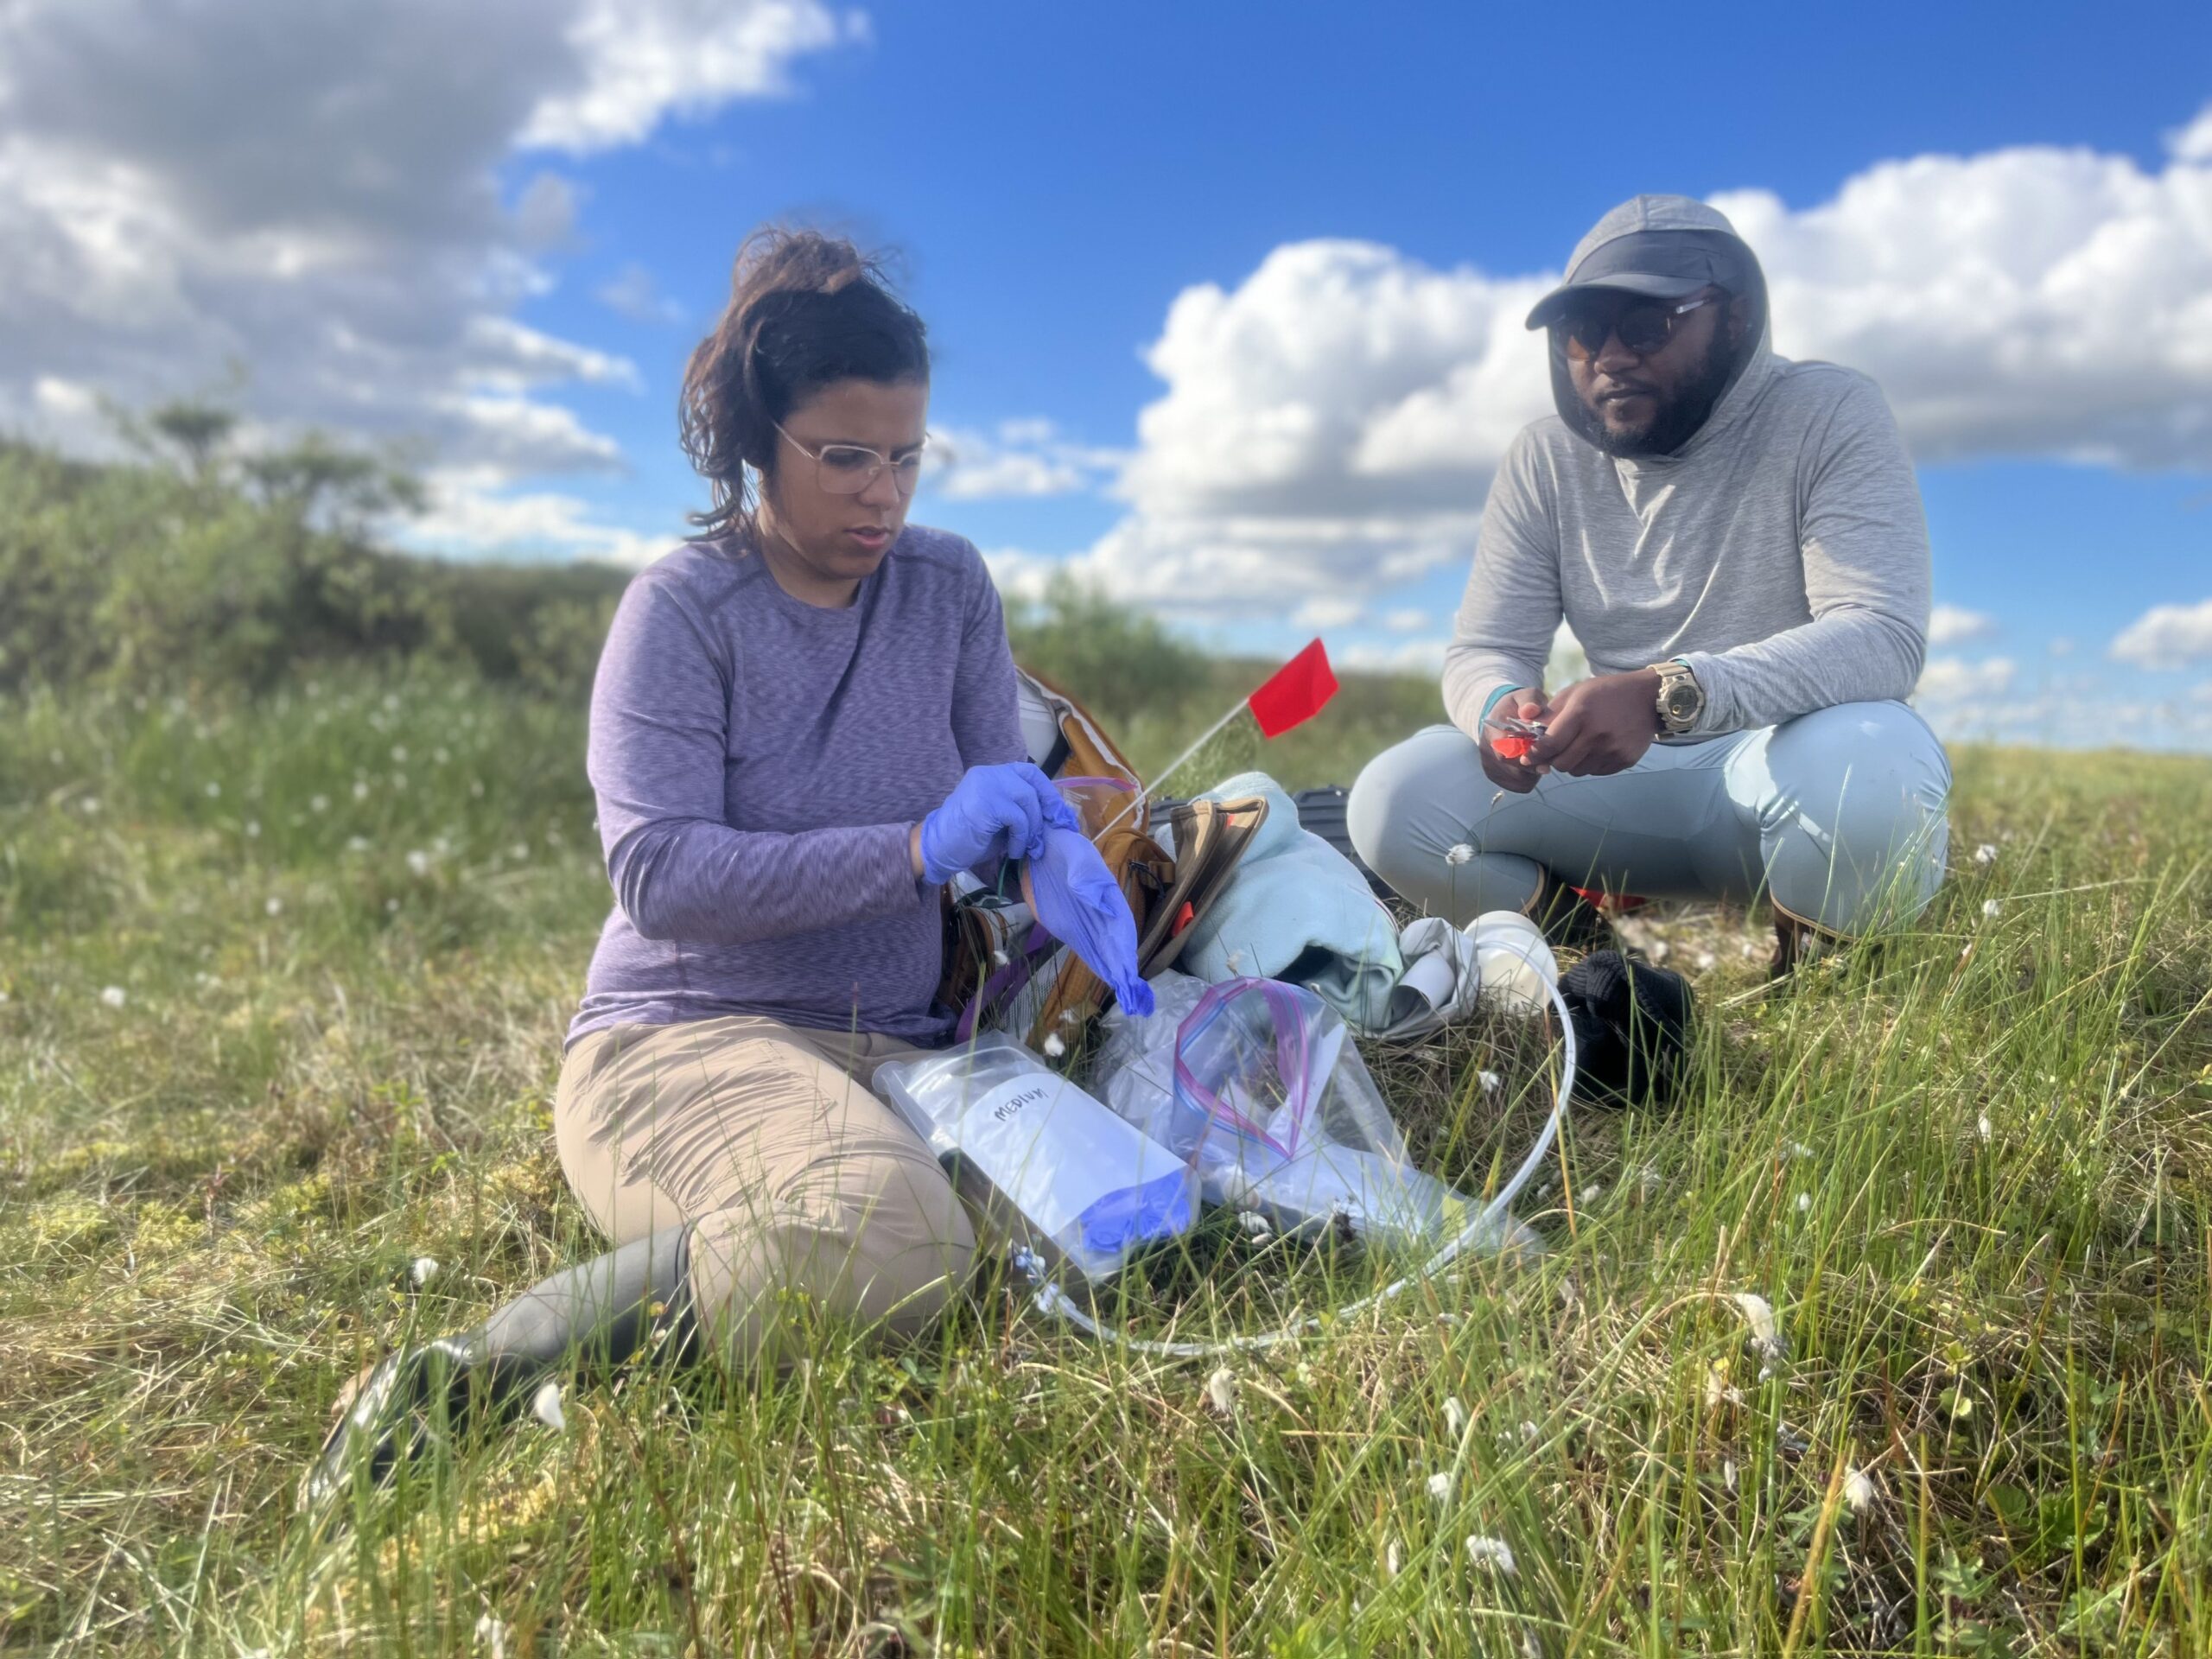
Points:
[(1492, 703)]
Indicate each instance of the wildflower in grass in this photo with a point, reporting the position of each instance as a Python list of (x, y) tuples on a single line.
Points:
[(1390, 1559), (1705, 961), (1728, 1473), (274, 906), (391, 905), (1455, 1416), (1990, 909), (545, 1405), (1492, 1553), (90, 804), (1221, 1393), (399, 754), (319, 803), (1858, 1490), (1719, 1391), (357, 843), (1490, 1081), (1458, 852), (214, 791), (418, 862), (423, 1269), (493, 1635), (1804, 1202), (1054, 1047), (360, 790), (1986, 854), (1592, 1192), (114, 996), (1981, 1127), (476, 787), (253, 829), (519, 851), (1440, 1486)]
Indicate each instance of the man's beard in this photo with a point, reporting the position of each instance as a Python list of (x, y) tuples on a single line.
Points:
[(1671, 425)]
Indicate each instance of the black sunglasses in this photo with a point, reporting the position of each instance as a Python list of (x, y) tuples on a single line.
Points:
[(1643, 327)]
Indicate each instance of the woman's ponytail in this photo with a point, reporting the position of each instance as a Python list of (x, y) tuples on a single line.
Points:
[(805, 309)]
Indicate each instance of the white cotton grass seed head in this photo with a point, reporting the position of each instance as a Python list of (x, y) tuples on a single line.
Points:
[(1391, 1558), (1804, 1202), (423, 1270), (274, 906), (1440, 1486), (1858, 1490), (1455, 1416), (1255, 1224), (1990, 909), (1490, 1081), (1986, 854), (1758, 1313), (1221, 1393), (418, 863), (114, 996), (1054, 1046), (1457, 854), (1982, 1128), (545, 1405), (1494, 1553)]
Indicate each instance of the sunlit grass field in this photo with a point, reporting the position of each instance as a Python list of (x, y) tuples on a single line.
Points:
[(284, 982)]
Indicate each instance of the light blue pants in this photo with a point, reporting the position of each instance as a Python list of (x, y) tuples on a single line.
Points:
[(1836, 817)]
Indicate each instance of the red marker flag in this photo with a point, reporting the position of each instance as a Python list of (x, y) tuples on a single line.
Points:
[(1297, 692)]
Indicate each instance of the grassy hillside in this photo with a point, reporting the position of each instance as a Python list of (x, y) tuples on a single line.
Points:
[(285, 978)]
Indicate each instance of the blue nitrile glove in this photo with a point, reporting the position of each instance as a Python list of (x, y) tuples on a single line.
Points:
[(1080, 904), (993, 811)]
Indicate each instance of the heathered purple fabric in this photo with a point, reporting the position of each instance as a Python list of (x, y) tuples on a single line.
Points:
[(758, 762)]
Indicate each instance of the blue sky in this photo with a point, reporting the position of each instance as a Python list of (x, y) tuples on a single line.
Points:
[(1208, 220)]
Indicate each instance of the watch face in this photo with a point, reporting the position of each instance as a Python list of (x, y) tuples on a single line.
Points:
[(1681, 700)]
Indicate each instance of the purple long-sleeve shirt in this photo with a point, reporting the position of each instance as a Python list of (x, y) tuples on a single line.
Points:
[(758, 762)]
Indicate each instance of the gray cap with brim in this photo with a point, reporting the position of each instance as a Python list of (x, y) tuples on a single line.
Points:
[(1659, 247)]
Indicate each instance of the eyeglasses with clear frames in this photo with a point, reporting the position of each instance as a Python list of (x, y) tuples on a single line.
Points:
[(848, 468)]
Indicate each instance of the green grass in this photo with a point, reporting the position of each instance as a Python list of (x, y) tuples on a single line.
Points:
[(1969, 1171)]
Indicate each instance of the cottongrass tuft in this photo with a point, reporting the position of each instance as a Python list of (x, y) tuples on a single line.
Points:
[(1492, 1553), (1458, 852), (1490, 1081), (423, 1269), (1054, 1046), (115, 996), (1758, 1313), (1986, 854), (1858, 1490), (1981, 1127), (545, 1405), (1455, 1416), (493, 1635), (1990, 909), (1221, 1393), (1440, 1486)]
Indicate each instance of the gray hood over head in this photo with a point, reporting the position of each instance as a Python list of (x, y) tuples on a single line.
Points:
[(1665, 247)]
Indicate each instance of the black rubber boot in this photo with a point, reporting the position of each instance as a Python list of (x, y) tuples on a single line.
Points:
[(597, 1314)]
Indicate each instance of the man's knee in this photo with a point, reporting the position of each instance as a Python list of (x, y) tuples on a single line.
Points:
[(1864, 786), (1393, 812)]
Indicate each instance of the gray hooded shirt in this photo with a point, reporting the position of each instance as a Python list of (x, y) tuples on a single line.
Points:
[(1782, 551)]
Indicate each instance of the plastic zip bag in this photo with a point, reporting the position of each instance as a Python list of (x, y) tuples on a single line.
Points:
[(1042, 1159)]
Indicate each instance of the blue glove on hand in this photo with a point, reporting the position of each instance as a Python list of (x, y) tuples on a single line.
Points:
[(1080, 904), (999, 811)]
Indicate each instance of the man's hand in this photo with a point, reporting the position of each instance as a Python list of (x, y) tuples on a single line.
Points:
[(1518, 775), (1597, 727)]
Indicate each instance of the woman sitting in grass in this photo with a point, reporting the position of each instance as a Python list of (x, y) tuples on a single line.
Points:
[(805, 721)]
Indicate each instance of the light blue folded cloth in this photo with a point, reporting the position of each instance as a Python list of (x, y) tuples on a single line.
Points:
[(1297, 910)]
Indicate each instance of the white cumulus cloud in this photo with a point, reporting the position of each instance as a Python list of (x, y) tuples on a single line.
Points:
[(1952, 625), (1028, 457), (314, 192), (2167, 636), (1949, 679)]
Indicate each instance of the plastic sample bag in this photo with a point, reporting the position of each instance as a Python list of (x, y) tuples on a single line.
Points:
[(1274, 1110), (1042, 1159)]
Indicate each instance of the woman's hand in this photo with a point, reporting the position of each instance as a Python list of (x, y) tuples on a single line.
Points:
[(993, 811)]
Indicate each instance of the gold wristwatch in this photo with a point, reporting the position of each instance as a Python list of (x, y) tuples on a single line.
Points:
[(1682, 699)]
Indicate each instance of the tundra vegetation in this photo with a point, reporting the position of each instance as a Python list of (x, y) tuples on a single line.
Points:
[(1892, 1337)]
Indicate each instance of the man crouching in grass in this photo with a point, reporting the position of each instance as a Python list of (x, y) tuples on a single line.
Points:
[(1738, 542)]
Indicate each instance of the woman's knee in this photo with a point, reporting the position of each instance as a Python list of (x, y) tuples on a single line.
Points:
[(882, 1243)]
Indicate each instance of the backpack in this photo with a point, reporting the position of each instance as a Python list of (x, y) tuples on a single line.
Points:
[(1000, 969)]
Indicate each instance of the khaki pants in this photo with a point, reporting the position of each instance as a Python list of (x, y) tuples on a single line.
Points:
[(793, 1176)]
